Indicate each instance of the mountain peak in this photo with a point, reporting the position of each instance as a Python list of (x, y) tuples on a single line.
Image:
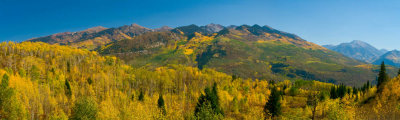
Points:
[(359, 42), (213, 27), (357, 49), (390, 58), (134, 25)]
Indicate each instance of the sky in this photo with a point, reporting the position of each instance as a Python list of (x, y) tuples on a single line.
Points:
[(319, 21)]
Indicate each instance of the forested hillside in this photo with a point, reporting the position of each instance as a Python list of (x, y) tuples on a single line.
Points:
[(93, 38), (247, 51), (42, 81)]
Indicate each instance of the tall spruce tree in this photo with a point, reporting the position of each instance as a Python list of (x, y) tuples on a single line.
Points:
[(161, 104), (141, 96), (209, 102), (382, 76), (68, 90), (333, 92), (273, 105)]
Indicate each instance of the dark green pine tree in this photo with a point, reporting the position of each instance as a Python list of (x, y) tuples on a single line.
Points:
[(209, 100), (215, 100), (341, 91), (161, 104), (333, 92), (273, 105), (382, 76), (141, 96), (355, 91), (68, 90)]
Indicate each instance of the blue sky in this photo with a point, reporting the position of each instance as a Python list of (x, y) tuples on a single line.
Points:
[(318, 21)]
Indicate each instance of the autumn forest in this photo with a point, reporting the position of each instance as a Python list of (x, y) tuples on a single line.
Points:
[(190, 72)]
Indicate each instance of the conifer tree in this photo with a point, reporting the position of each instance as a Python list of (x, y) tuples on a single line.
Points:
[(141, 96), (273, 105), (333, 92), (161, 104), (355, 91), (209, 102), (68, 90), (382, 76)]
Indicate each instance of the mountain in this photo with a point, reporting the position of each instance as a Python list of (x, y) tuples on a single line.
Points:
[(384, 50), (191, 29), (358, 50), (390, 58), (254, 52), (163, 28), (93, 38)]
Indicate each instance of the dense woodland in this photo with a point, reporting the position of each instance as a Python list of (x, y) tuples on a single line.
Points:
[(42, 81)]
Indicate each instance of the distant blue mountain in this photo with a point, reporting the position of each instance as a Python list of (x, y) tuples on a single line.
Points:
[(390, 58), (358, 50)]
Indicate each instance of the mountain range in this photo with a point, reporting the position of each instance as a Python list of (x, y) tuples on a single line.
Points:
[(95, 37), (365, 52), (358, 50), (390, 58), (247, 51)]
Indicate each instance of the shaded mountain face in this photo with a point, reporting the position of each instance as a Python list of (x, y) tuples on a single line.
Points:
[(93, 38), (358, 50), (254, 52), (191, 29), (390, 58)]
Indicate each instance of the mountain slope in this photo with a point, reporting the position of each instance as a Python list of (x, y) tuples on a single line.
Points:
[(191, 29), (93, 37), (257, 52), (390, 58), (358, 50)]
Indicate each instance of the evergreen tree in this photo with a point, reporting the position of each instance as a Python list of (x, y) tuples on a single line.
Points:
[(215, 100), (68, 67), (333, 92), (161, 104), (68, 90), (382, 76), (355, 91), (208, 103), (273, 105), (341, 91), (141, 96)]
